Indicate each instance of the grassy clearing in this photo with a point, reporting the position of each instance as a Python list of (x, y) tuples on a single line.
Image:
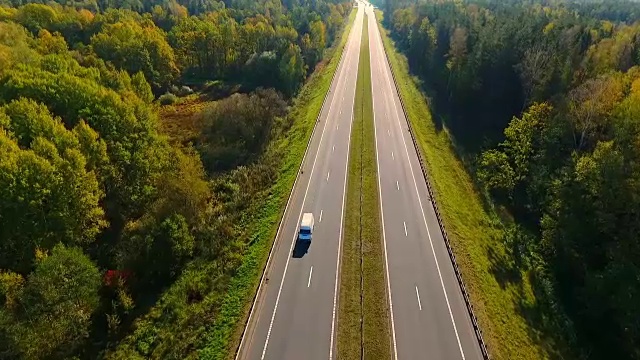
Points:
[(474, 230), (362, 257), (180, 122), (224, 335)]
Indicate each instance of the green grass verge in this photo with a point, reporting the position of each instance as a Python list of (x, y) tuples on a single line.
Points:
[(475, 232), (224, 336), (362, 283)]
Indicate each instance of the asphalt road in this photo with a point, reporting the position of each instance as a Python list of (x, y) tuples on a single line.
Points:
[(429, 317), (294, 316)]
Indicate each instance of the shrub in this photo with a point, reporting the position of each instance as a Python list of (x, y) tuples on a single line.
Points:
[(168, 99)]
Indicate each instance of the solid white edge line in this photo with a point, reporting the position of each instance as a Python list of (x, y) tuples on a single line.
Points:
[(344, 191), (295, 182), (384, 235), (310, 273), (417, 295), (266, 343), (446, 297)]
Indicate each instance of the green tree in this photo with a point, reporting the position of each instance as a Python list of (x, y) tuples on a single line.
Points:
[(14, 46), (198, 45), (36, 17), (316, 44), (135, 47), (53, 314), (128, 126), (51, 43), (49, 195), (292, 70)]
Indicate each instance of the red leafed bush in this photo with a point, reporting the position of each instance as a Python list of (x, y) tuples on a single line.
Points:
[(111, 276)]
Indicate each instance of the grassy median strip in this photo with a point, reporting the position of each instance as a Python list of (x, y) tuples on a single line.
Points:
[(362, 283), (474, 232), (224, 337)]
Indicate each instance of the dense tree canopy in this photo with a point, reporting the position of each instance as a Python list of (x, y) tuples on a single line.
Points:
[(51, 309), (134, 48), (50, 194), (100, 209), (545, 95)]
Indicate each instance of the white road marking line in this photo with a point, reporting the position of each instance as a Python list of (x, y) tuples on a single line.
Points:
[(417, 295), (384, 234), (309, 282), (286, 266), (393, 157), (397, 185), (328, 173), (344, 192), (433, 251), (337, 126), (388, 132), (333, 148), (405, 228)]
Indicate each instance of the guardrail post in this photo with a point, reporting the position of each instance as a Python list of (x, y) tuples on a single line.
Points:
[(474, 320)]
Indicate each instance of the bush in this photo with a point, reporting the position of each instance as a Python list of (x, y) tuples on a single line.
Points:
[(184, 91), (237, 128), (168, 99)]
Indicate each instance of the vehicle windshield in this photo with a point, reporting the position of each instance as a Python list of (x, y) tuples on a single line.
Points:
[(305, 231)]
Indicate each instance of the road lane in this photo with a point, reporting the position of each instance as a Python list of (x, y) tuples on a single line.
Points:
[(294, 314), (430, 318)]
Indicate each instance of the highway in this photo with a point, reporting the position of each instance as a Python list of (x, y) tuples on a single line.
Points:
[(429, 316), (294, 315)]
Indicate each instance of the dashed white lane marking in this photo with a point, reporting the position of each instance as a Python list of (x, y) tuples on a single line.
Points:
[(320, 216), (392, 156), (397, 185), (286, 266), (328, 175), (333, 148), (309, 282), (424, 219), (417, 295), (388, 132), (405, 228)]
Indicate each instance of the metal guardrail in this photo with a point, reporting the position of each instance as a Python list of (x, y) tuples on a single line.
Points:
[(452, 256)]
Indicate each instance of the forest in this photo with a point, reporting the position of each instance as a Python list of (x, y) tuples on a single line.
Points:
[(119, 234), (542, 99)]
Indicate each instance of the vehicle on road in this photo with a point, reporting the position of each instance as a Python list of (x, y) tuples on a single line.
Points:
[(306, 227)]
